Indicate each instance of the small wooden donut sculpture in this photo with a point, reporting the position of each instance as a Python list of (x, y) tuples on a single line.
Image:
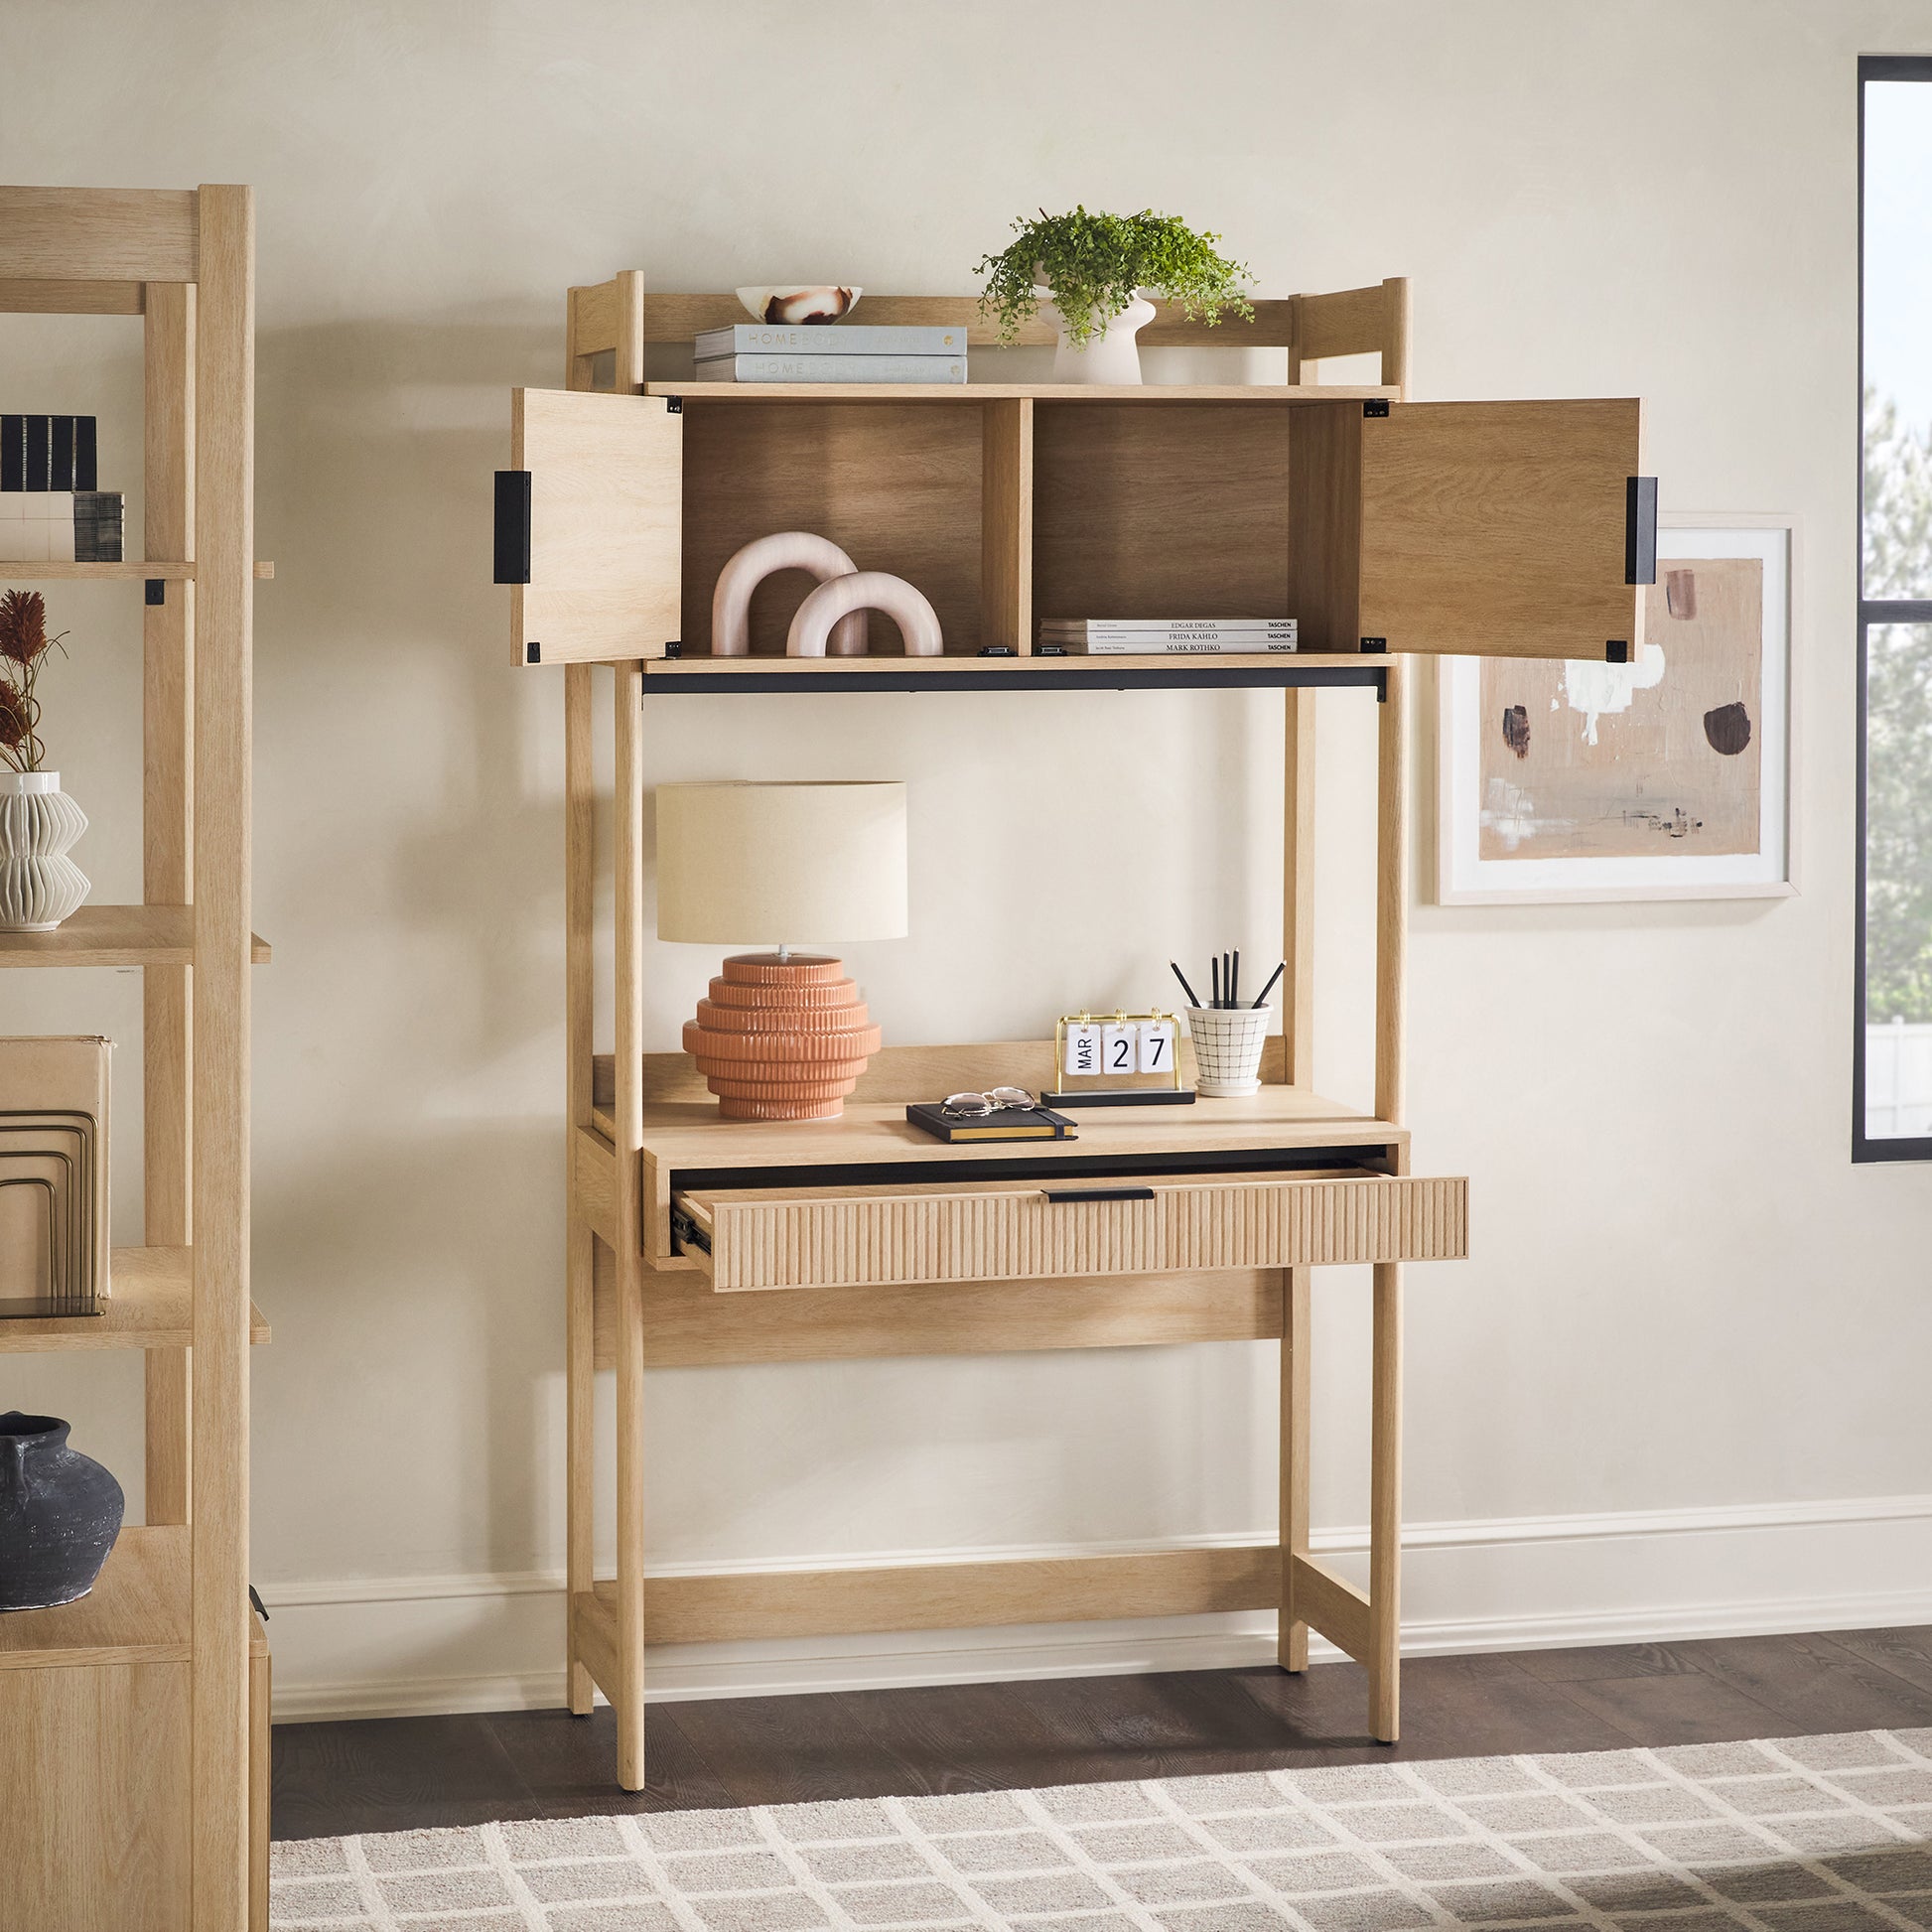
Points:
[(839, 599), (746, 569)]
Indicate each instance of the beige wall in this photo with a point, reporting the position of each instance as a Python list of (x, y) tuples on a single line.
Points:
[(1685, 1302)]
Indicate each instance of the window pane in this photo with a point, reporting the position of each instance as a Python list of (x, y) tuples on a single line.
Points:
[(1899, 339), (1898, 882)]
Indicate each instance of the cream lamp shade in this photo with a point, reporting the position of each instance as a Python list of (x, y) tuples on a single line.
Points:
[(739, 864)]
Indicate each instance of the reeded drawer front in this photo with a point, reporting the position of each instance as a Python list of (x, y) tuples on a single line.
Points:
[(824, 1237)]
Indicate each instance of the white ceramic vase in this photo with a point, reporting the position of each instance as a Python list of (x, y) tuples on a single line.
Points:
[(1111, 357), (40, 886)]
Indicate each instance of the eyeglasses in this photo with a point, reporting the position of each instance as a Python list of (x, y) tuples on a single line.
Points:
[(976, 1106)]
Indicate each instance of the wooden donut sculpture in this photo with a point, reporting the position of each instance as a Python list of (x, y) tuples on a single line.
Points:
[(840, 599), (746, 569)]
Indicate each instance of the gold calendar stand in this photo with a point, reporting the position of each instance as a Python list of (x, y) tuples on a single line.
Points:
[(1104, 1089)]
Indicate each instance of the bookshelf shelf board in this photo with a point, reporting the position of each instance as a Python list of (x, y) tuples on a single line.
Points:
[(137, 1613), (150, 1308), (29, 570), (1309, 670), (114, 935), (978, 393)]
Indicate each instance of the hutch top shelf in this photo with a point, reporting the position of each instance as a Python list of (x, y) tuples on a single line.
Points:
[(1382, 525)]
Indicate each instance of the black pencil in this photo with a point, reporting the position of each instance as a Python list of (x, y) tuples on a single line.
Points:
[(1271, 978), (1185, 987), (1234, 980), (1214, 982)]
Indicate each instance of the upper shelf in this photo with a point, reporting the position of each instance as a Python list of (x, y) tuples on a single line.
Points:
[(980, 392), (132, 571), (149, 1305), (114, 935), (1277, 670)]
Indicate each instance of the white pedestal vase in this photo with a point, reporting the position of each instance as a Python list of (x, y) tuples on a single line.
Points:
[(1111, 357), (40, 886)]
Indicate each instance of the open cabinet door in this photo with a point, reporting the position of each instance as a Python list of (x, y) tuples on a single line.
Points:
[(1505, 530), (590, 526)]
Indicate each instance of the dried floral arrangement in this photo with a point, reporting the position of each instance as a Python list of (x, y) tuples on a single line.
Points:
[(23, 645)]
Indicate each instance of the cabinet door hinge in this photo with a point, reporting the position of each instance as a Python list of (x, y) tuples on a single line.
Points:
[(675, 405), (1617, 650), (1376, 406), (513, 532), (1640, 530)]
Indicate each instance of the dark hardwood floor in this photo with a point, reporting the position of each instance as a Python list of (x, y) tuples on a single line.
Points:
[(399, 1773)]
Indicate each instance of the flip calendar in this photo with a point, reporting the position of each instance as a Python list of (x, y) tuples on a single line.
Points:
[(1124, 1057)]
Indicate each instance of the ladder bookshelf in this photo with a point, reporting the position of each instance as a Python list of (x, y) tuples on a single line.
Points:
[(134, 1722)]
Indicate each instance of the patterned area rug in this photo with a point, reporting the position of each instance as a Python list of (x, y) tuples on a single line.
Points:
[(1787, 1835)]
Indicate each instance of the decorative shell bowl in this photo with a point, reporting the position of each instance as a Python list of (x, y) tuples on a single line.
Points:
[(791, 306)]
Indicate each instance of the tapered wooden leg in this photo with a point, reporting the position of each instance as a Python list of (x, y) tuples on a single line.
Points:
[(580, 1433), (629, 805), (1293, 1641), (1385, 1508), (580, 887)]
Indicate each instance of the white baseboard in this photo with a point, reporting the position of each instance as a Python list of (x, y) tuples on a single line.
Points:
[(402, 1646)]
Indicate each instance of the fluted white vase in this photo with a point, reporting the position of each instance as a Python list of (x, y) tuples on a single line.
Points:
[(39, 884)]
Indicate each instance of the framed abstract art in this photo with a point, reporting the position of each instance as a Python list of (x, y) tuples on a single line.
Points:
[(1669, 778)]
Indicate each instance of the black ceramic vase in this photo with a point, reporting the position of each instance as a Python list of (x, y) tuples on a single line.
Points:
[(59, 1513)]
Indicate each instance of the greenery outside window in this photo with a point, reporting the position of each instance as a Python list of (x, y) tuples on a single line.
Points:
[(1893, 1044)]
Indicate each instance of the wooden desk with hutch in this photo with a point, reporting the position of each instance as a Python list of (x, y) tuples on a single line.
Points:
[(1388, 528)]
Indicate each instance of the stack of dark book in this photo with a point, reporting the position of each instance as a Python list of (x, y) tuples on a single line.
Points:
[(50, 508), (1164, 636), (761, 352)]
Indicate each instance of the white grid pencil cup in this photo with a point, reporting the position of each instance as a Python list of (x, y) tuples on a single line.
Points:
[(1227, 1049)]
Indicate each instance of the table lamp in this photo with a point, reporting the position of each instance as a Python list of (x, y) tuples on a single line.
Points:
[(783, 1036)]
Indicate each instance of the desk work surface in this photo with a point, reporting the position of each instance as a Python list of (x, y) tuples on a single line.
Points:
[(688, 1132)]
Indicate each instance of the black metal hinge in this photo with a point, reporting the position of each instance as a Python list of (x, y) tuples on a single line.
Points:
[(1376, 406), (157, 589), (1617, 650), (1375, 643), (675, 405), (533, 652), (512, 526), (1640, 530), (675, 647)]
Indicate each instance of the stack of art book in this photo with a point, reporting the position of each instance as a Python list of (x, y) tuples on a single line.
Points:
[(49, 509), (759, 352), (1164, 636)]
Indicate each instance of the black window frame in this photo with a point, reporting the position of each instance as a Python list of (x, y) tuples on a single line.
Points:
[(1873, 611)]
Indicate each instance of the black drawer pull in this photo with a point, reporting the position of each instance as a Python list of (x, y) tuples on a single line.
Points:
[(1097, 1194)]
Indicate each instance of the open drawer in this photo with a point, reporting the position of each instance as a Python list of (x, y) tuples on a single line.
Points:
[(1016, 1230)]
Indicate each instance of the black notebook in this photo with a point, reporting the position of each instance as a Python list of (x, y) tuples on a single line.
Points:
[(1008, 1124)]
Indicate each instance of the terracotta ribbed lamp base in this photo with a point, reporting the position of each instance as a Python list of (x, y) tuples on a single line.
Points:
[(781, 1038)]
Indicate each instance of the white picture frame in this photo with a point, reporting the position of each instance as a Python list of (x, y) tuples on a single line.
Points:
[(1464, 877)]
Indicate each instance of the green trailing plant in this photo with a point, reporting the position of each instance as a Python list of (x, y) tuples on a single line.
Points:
[(23, 645), (1095, 265)]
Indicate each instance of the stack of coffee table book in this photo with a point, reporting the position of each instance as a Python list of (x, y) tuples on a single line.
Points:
[(1164, 636), (761, 352)]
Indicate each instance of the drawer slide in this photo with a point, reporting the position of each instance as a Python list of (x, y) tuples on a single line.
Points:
[(760, 1238)]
